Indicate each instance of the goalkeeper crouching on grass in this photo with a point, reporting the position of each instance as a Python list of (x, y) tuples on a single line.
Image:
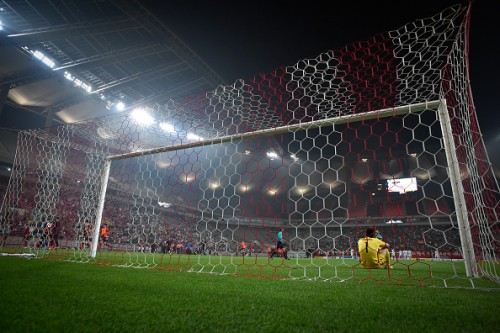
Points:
[(373, 252)]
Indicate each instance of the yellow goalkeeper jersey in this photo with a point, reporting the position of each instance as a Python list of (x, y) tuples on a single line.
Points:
[(368, 252)]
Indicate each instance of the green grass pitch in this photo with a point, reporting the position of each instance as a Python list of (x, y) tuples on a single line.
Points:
[(56, 296)]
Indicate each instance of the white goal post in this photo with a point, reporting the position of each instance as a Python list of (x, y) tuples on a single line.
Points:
[(440, 105)]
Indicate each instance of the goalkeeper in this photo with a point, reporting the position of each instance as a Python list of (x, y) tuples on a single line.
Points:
[(373, 252)]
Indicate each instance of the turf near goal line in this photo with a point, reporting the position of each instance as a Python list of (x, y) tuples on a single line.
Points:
[(71, 297)]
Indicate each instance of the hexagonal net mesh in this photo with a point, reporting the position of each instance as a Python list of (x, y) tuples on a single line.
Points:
[(381, 133)]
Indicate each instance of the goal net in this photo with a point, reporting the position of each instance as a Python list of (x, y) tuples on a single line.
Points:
[(381, 133)]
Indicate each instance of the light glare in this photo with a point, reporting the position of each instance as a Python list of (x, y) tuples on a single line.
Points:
[(120, 106), (272, 191), (301, 190), (77, 82), (43, 58), (142, 117), (195, 137), (164, 204), (272, 155), (245, 188), (167, 127)]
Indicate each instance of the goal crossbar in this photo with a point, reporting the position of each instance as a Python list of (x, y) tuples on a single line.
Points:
[(387, 112)]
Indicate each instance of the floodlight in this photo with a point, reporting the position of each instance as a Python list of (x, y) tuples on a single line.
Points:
[(43, 58), (120, 106), (167, 127), (192, 136), (394, 222), (187, 177), (245, 188), (142, 117), (77, 82), (272, 191), (272, 155), (301, 190)]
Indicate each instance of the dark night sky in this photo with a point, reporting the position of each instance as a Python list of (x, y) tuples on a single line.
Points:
[(242, 38)]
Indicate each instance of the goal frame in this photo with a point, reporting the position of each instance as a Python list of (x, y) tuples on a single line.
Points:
[(453, 170)]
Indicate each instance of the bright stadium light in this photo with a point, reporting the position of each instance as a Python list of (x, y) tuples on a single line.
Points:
[(272, 155), (333, 185), (120, 106), (164, 204), (301, 190), (70, 77), (162, 164), (1, 26), (272, 191), (187, 178), (194, 137), (142, 117), (245, 188), (167, 127), (43, 58), (394, 222), (77, 82)]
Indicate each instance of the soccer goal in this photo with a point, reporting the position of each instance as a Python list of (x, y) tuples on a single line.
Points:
[(381, 133)]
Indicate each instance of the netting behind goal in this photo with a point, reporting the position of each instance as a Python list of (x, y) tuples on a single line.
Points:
[(381, 133)]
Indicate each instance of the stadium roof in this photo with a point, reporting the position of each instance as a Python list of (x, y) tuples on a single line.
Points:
[(111, 51), (67, 61)]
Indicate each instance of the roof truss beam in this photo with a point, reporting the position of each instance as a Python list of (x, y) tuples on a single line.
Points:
[(73, 30), (113, 57)]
